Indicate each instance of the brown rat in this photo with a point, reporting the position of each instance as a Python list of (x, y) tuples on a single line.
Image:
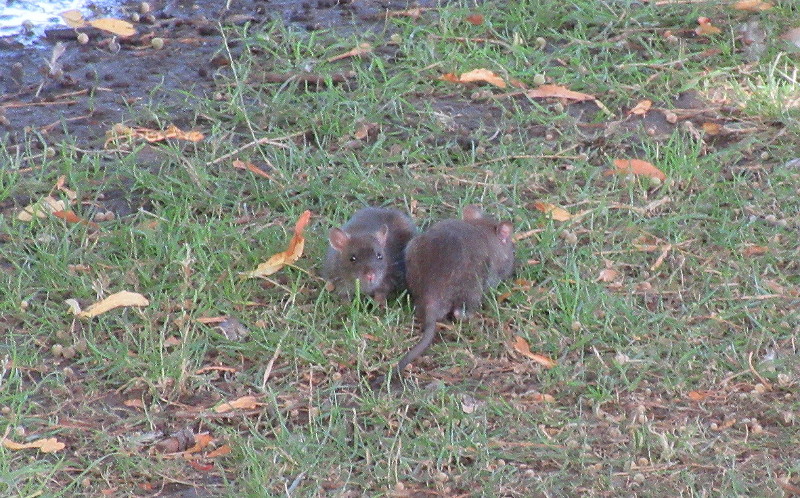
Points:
[(369, 249), (449, 267)]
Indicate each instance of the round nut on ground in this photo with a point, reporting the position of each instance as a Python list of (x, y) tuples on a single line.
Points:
[(157, 43), (540, 42), (671, 117), (539, 79), (144, 8), (134, 17), (57, 349), (83, 38), (5, 410), (576, 326), (638, 478), (68, 352)]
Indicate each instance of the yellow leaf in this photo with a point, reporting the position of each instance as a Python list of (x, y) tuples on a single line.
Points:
[(476, 75), (360, 50), (73, 18), (555, 212), (115, 26), (221, 451), (521, 346), (287, 257), (636, 167), (49, 445), (120, 299), (557, 91), (243, 403), (41, 208), (641, 108), (705, 27), (752, 5)]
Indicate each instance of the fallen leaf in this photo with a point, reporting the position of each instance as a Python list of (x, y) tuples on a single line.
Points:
[(70, 217), (475, 76), (365, 130), (636, 167), (120, 131), (243, 403), (412, 13), (134, 403), (201, 467), (200, 442), (287, 257), (544, 91), (73, 18), (555, 212), (607, 275), (114, 26), (752, 5), (361, 49), (212, 319), (750, 251), (247, 165), (711, 128), (705, 27), (48, 445), (521, 346), (641, 108), (41, 208), (474, 19), (120, 299), (699, 395), (221, 451), (792, 36)]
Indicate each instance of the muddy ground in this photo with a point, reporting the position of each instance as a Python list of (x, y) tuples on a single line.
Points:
[(98, 86)]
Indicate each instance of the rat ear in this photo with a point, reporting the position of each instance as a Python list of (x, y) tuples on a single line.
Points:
[(338, 238), (382, 234), (472, 213), (504, 231)]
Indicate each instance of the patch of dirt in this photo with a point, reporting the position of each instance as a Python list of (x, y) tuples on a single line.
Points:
[(99, 84)]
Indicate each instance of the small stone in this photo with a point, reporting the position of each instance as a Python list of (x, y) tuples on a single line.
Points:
[(539, 79), (83, 38), (144, 8), (157, 43), (57, 350)]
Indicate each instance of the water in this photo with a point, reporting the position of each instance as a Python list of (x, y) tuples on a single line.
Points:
[(41, 14)]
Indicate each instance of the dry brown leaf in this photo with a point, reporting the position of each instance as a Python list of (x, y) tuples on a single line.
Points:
[(70, 217), (412, 13), (114, 26), (120, 131), (792, 36), (475, 76), (750, 251), (120, 299), (200, 442), (221, 451), (73, 18), (699, 395), (287, 257), (47, 445), (521, 346), (41, 208), (365, 130), (361, 49), (554, 212), (475, 19), (641, 108), (134, 403), (243, 403), (557, 91), (607, 275), (705, 28), (636, 167), (247, 165), (752, 5), (711, 128)]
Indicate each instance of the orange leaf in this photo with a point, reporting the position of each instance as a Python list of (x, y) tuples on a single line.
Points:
[(243, 403), (360, 50), (200, 441), (637, 167), (755, 251), (641, 108), (133, 403), (752, 5), (73, 18), (699, 395), (712, 128), (544, 91), (48, 445), (287, 257), (521, 346), (120, 299), (114, 26), (475, 19), (705, 27), (202, 467), (238, 164), (608, 275), (474, 76), (221, 451), (555, 212), (70, 217)]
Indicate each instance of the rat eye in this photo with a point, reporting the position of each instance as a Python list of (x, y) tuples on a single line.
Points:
[(379, 255), (352, 259)]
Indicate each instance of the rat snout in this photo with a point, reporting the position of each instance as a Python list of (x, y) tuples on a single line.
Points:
[(370, 276)]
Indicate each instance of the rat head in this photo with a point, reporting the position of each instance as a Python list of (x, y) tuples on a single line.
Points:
[(500, 235), (361, 257)]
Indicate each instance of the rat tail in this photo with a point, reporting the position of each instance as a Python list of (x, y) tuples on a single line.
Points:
[(428, 331)]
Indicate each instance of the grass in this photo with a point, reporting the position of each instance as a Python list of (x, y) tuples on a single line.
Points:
[(677, 371)]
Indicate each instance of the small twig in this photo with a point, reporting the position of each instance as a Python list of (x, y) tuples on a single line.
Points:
[(52, 125), (261, 141), (36, 104), (758, 376)]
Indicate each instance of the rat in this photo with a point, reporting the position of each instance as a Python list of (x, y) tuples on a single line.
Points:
[(368, 250), (450, 266)]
